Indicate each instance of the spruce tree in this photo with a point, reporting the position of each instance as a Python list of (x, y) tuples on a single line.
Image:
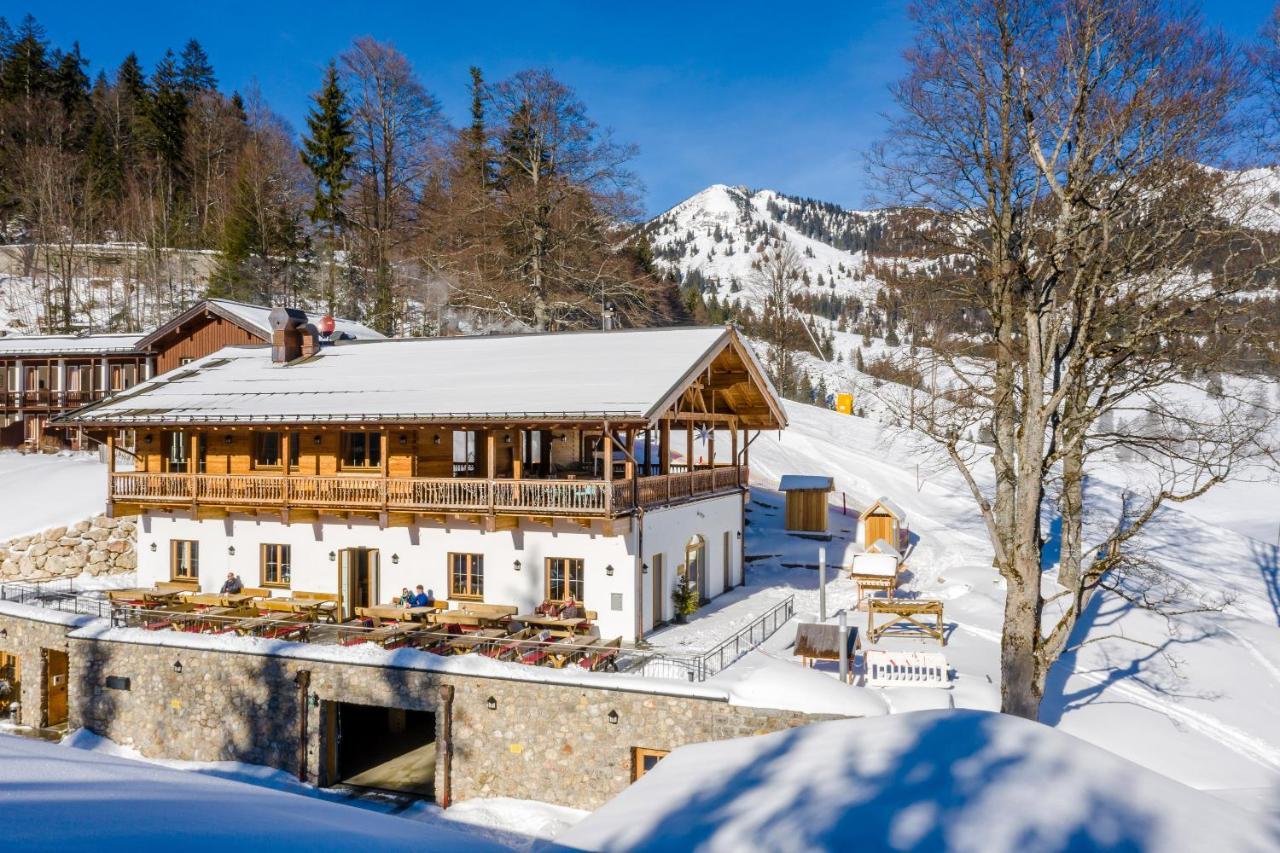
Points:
[(168, 115), (195, 74), (327, 152), (478, 158)]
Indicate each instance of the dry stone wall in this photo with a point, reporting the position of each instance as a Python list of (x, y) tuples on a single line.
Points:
[(99, 546)]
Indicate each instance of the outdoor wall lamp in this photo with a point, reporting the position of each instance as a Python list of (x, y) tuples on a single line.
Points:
[(492, 704), (332, 556), (177, 667), (404, 439), (395, 558), (506, 439), (644, 568), (153, 547), (608, 570), (613, 717), (516, 565), (4, 633), (316, 440), (435, 439), (315, 700), (231, 550), (146, 439), (226, 439)]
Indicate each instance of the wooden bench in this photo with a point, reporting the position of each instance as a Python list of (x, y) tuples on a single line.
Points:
[(910, 617), (602, 656), (178, 586)]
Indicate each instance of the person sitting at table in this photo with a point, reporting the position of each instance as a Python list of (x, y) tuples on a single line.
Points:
[(404, 599), (232, 585), (431, 598), (420, 599)]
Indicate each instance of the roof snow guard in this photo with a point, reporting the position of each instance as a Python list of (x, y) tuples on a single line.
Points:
[(630, 376), (68, 345)]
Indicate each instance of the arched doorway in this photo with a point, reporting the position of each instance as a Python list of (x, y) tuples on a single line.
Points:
[(695, 561)]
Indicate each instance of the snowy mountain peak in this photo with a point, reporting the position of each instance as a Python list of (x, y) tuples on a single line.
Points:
[(715, 237)]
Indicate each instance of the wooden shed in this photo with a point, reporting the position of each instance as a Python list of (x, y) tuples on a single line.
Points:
[(884, 520), (806, 501)]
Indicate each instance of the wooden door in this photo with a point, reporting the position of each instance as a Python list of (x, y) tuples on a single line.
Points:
[(728, 563), (345, 598), (658, 610), (56, 670), (878, 527)]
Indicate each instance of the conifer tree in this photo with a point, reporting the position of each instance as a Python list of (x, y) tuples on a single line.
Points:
[(196, 72), (326, 151), (479, 160)]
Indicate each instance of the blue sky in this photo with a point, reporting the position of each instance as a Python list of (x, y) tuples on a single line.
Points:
[(781, 95)]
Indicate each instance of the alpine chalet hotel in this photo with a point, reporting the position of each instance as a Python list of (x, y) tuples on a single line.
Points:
[(516, 469)]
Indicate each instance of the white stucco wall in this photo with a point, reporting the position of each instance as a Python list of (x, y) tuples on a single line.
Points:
[(422, 552), (668, 532)]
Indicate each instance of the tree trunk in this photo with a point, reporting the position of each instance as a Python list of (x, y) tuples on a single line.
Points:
[(1071, 508), (1020, 684)]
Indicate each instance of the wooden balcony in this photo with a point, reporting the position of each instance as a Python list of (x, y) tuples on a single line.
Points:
[(464, 496)]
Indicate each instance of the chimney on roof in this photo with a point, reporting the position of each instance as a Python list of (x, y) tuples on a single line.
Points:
[(288, 330)]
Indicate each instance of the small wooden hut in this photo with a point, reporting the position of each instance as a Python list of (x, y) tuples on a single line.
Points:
[(806, 501), (884, 520)]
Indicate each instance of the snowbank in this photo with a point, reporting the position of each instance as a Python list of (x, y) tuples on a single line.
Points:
[(935, 780), (60, 799), (43, 491)]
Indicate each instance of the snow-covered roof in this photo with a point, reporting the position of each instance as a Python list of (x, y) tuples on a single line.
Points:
[(257, 316), (963, 781), (889, 506), (20, 345), (880, 546), (254, 319), (805, 481), (632, 375)]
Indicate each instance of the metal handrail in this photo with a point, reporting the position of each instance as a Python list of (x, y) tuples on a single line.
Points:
[(702, 666)]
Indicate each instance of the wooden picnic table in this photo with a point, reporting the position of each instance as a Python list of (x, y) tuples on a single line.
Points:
[(272, 625), (571, 625), (912, 617), (467, 618), (564, 650), (309, 607), (143, 594), (218, 599), (396, 612), (470, 642)]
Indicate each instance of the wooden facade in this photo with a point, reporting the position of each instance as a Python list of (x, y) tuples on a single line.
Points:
[(400, 474), (36, 386), (198, 337)]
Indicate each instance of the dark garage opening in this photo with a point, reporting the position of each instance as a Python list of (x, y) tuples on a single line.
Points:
[(390, 749)]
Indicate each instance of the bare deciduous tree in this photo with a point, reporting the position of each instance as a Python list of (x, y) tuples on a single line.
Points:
[(1061, 145)]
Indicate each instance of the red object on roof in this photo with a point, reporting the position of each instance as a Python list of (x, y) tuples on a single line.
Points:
[(326, 325)]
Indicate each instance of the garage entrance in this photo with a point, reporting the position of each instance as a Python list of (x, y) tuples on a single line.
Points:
[(390, 749)]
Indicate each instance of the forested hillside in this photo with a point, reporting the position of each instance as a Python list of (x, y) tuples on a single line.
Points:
[(379, 208)]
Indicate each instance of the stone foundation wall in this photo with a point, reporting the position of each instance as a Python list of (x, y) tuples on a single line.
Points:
[(99, 546), (27, 640), (544, 741)]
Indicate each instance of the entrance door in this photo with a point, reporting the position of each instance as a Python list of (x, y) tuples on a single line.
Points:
[(357, 579), (658, 611), (56, 669), (728, 563), (388, 749), (10, 682)]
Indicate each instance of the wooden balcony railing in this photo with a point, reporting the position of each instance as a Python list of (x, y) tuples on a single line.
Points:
[(417, 494)]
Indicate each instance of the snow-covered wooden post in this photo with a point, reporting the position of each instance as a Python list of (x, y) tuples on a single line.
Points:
[(843, 634), (822, 584)]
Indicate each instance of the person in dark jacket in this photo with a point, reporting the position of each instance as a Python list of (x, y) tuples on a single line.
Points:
[(232, 585)]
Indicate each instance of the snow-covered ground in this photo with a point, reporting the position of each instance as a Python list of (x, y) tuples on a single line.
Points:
[(1196, 697), (956, 781), (43, 491), (507, 822), (56, 798)]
